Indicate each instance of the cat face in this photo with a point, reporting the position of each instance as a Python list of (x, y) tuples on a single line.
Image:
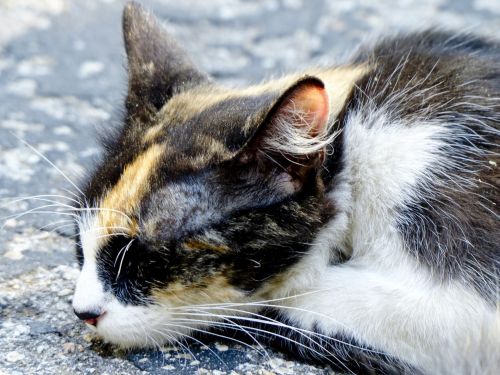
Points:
[(206, 195)]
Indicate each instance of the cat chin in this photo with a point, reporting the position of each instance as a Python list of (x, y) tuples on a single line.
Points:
[(134, 327)]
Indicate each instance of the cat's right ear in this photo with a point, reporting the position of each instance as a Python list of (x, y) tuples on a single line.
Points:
[(157, 66)]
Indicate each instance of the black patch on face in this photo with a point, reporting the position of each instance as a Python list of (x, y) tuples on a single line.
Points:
[(262, 243), (122, 270), (78, 249), (146, 266)]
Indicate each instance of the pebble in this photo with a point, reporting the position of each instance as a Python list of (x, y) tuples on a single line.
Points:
[(14, 356), (69, 347), (221, 347)]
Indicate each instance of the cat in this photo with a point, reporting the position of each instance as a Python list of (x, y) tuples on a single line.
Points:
[(347, 214)]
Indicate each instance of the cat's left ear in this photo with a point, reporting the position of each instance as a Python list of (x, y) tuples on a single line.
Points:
[(157, 66), (295, 134)]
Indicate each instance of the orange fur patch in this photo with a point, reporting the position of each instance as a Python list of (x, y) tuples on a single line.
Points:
[(200, 245), (126, 195), (153, 133), (212, 289)]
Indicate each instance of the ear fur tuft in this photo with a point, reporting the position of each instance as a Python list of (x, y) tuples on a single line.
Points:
[(293, 139), (299, 124)]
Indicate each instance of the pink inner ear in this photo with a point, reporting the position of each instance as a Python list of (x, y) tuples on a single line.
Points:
[(312, 102)]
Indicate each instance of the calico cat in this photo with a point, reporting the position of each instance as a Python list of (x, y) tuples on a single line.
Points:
[(349, 214)]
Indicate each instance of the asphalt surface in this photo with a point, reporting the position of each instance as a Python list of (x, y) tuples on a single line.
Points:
[(62, 80)]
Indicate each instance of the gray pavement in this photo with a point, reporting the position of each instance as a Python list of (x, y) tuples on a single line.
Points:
[(62, 81)]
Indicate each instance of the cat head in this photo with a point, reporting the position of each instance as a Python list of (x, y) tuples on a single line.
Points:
[(206, 195)]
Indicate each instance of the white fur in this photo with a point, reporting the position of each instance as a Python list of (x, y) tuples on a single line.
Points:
[(382, 296), (89, 294), (291, 134)]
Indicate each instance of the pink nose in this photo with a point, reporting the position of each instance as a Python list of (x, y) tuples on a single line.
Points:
[(89, 317)]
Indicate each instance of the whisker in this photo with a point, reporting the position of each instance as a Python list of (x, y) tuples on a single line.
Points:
[(73, 193), (112, 234), (271, 322), (215, 335), (288, 339), (57, 222), (35, 209), (48, 161), (12, 200), (196, 340), (259, 301), (123, 257), (216, 306), (59, 227), (229, 324), (177, 341), (281, 324)]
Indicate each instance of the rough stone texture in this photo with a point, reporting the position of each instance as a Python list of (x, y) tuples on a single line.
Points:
[(62, 78)]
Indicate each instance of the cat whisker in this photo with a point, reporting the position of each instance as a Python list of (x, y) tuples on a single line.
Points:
[(277, 335), (59, 227), (274, 322), (112, 235), (12, 200), (201, 343), (231, 324), (50, 162), (87, 209), (123, 257), (65, 221), (93, 229), (262, 304), (37, 210), (104, 235), (65, 208), (230, 304), (270, 322), (77, 197), (176, 340), (216, 334), (241, 328)]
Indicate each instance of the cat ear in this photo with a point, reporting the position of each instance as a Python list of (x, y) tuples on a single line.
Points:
[(157, 66), (295, 134)]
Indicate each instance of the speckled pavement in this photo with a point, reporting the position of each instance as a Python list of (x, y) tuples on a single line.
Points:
[(62, 80)]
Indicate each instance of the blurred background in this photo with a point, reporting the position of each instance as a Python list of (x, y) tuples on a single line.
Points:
[(62, 77)]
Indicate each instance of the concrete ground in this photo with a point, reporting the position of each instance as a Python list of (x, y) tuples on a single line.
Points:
[(62, 79)]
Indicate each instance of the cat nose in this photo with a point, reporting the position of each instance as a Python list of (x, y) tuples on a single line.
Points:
[(89, 317)]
